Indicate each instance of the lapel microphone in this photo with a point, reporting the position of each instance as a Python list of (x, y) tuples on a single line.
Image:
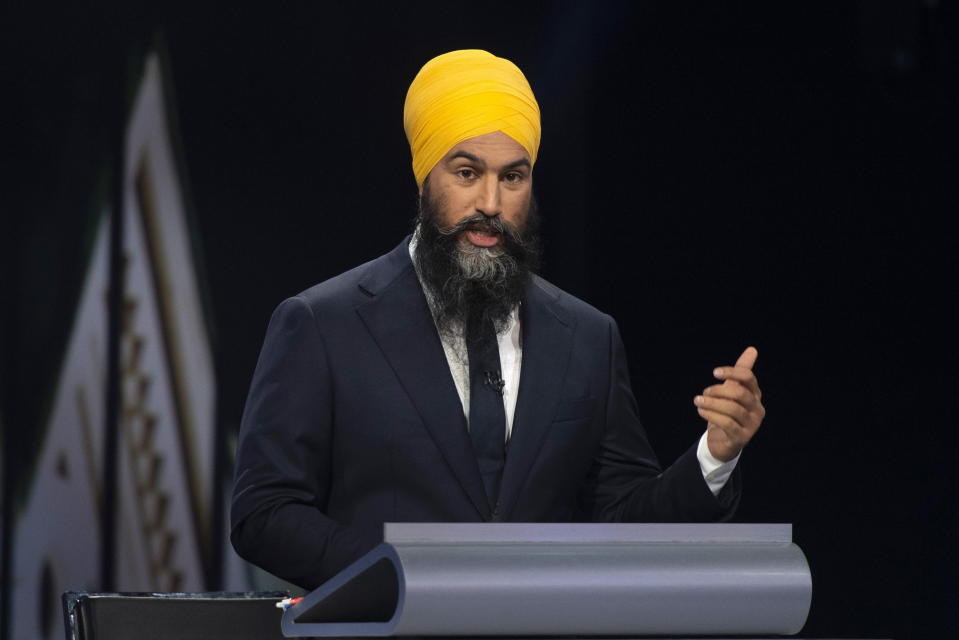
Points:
[(495, 381)]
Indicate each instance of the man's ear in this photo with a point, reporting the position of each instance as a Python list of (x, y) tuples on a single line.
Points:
[(423, 184)]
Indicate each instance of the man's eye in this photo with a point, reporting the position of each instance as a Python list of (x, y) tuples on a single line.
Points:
[(513, 177), (466, 173)]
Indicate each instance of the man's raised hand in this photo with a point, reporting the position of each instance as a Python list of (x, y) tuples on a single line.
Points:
[(733, 410)]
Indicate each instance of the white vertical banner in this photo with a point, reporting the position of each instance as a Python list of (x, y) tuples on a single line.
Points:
[(167, 416), (56, 539), (166, 440)]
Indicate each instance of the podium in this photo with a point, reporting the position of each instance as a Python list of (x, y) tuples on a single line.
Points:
[(518, 579)]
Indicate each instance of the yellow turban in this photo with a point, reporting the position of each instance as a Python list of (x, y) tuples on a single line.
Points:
[(463, 94)]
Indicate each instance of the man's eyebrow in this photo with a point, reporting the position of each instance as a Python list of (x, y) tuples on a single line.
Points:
[(466, 154), (522, 162)]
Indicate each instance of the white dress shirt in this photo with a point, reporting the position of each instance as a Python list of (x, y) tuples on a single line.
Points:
[(715, 472)]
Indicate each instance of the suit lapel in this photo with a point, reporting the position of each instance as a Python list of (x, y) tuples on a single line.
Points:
[(547, 340), (399, 319)]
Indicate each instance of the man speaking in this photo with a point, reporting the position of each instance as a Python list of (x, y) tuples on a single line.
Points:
[(445, 381)]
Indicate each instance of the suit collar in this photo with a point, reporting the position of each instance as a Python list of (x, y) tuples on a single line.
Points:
[(383, 271), (399, 319)]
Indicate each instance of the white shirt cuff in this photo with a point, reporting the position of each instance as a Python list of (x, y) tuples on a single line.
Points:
[(715, 472)]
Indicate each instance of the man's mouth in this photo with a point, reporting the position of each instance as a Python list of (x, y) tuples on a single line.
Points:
[(483, 237)]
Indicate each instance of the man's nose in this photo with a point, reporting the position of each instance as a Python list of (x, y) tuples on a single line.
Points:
[(488, 200)]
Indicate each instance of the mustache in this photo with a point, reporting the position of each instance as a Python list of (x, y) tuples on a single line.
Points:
[(479, 221), (483, 222)]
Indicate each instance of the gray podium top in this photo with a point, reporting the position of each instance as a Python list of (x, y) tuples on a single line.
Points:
[(524, 579), (579, 533)]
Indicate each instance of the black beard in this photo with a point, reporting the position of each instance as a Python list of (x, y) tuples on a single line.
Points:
[(473, 286)]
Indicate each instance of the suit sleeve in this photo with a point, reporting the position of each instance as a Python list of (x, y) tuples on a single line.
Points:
[(283, 466), (626, 483)]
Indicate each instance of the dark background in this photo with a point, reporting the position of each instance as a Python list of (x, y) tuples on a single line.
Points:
[(712, 175)]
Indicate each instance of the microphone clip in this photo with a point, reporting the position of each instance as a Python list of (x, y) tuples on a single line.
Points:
[(495, 381)]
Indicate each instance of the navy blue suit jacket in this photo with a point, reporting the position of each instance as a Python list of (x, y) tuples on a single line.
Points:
[(353, 420)]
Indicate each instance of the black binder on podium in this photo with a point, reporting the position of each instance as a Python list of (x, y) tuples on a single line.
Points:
[(517, 579)]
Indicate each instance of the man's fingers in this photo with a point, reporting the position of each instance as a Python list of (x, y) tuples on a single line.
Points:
[(748, 358), (729, 408), (740, 374), (732, 390)]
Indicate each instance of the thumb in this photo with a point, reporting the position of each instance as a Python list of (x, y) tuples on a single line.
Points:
[(748, 358)]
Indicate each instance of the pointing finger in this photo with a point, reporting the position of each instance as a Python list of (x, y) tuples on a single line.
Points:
[(748, 358)]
